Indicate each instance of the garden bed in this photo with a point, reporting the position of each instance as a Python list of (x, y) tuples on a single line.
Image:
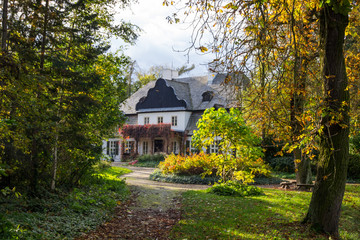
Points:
[(157, 175), (61, 214)]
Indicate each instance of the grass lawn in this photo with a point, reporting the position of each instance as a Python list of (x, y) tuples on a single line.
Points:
[(275, 215), (64, 215)]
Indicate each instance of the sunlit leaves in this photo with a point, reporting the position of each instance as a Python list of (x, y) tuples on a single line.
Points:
[(237, 145)]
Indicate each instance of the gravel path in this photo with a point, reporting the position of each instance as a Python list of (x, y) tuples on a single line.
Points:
[(151, 211), (140, 177)]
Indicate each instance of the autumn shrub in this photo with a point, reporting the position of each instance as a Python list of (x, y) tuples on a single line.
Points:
[(225, 166), (195, 164)]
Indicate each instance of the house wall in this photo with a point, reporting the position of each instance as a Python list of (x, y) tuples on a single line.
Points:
[(182, 118), (104, 148)]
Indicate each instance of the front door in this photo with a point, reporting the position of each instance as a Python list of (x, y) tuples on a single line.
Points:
[(158, 146)]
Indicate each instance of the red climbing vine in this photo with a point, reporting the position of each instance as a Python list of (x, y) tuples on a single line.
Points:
[(147, 131)]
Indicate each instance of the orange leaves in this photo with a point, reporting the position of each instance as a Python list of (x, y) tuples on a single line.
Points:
[(194, 164), (203, 49), (167, 3)]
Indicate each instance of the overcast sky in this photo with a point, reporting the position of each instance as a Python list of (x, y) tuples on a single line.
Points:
[(159, 40)]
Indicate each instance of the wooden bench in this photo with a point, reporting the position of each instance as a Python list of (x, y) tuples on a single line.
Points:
[(305, 186), (286, 185)]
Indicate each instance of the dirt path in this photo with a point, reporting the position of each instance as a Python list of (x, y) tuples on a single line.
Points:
[(150, 213)]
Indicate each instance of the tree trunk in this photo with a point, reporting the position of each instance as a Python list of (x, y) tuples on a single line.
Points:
[(302, 163), (303, 167), (55, 163), (4, 25), (325, 205), (43, 43), (34, 171)]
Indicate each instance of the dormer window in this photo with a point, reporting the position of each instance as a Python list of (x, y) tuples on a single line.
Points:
[(207, 96), (217, 106)]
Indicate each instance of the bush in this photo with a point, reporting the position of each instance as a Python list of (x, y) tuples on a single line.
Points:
[(355, 144), (157, 175), (282, 164), (227, 167), (354, 166), (234, 189), (195, 164), (151, 158), (148, 160), (102, 165)]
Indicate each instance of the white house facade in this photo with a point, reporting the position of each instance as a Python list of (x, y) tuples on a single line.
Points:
[(162, 115)]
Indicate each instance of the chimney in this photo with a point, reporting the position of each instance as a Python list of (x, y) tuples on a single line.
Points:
[(169, 74)]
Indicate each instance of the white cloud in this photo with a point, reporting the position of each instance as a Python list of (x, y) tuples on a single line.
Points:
[(159, 39)]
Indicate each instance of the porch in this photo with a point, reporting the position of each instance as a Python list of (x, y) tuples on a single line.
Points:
[(150, 139)]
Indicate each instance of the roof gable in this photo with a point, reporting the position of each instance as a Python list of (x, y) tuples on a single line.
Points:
[(161, 96)]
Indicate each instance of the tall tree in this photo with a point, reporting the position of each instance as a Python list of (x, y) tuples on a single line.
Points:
[(235, 26), (59, 96), (4, 24), (325, 205)]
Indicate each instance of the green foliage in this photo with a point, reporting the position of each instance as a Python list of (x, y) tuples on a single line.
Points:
[(234, 189), (62, 215), (60, 89), (282, 164), (355, 144), (157, 175), (240, 156), (354, 158), (102, 165), (354, 166), (148, 160), (343, 7), (151, 158)]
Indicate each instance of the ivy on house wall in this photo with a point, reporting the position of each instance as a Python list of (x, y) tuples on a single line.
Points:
[(147, 131)]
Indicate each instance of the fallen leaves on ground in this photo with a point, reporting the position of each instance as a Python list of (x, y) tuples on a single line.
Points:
[(133, 222)]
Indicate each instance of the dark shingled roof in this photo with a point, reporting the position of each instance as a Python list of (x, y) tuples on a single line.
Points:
[(194, 118), (190, 90)]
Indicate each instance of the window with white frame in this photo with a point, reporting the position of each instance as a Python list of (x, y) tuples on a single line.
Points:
[(145, 147), (190, 148), (112, 148), (128, 146), (160, 120), (214, 148), (174, 121), (146, 120), (174, 147)]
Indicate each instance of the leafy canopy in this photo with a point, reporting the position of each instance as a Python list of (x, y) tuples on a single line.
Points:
[(240, 156)]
